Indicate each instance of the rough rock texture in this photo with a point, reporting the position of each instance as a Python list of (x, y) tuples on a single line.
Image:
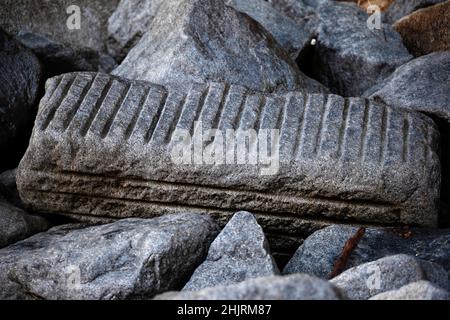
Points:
[(401, 8), (420, 290), (8, 188), (58, 58), (238, 253), (128, 23), (319, 252), (43, 25), (295, 287), (16, 224), (205, 40), (386, 274), (131, 258), (291, 36), (426, 30), (422, 84), (348, 57), (20, 81), (337, 158)]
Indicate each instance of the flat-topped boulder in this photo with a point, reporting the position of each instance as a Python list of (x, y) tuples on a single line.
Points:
[(103, 146)]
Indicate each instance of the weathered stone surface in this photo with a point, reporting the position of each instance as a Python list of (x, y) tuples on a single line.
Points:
[(292, 37), (294, 287), (319, 252), (401, 8), (128, 23), (420, 290), (348, 57), (239, 252), (103, 146), (131, 258), (51, 19), (205, 40), (426, 30), (44, 26), (422, 84), (16, 224), (386, 274), (20, 80)]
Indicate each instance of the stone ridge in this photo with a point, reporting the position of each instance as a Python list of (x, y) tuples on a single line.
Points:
[(111, 138), (349, 129)]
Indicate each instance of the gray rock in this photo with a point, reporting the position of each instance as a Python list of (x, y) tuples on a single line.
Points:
[(59, 58), (16, 224), (131, 258), (319, 252), (98, 151), (422, 84), (386, 274), (128, 23), (205, 40), (20, 81), (8, 188), (401, 8), (44, 26), (420, 290), (294, 287), (238, 253), (348, 58), (292, 37)]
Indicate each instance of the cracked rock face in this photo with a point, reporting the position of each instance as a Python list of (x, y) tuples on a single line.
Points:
[(131, 258), (20, 81), (295, 287), (205, 40), (238, 253), (386, 274), (426, 30)]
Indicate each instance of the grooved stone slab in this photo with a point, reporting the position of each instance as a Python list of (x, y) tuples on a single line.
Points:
[(101, 148)]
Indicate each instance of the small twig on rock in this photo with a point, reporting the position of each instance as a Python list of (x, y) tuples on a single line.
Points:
[(350, 245)]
